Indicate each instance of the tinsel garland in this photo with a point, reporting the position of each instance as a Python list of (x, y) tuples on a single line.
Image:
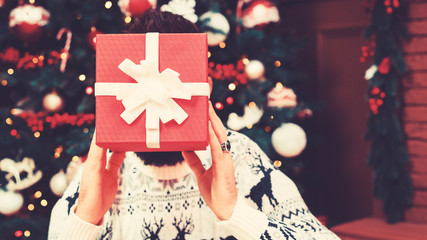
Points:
[(388, 154)]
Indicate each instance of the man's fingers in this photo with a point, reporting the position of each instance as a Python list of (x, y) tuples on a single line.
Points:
[(194, 163), (215, 145), (218, 127), (97, 156), (115, 161)]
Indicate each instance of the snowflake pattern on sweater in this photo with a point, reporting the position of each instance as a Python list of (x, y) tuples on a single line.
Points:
[(165, 203)]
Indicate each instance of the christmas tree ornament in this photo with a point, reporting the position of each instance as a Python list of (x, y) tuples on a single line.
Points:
[(251, 116), (91, 37), (135, 8), (260, 13), (370, 73), (281, 97), (52, 102), (27, 22), (255, 70), (216, 26), (184, 8), (289, 140), (58, 183), (20, 175), (66, 50), (10, 202)]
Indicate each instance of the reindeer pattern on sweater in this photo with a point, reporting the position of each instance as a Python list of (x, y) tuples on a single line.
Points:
[(148, 207)]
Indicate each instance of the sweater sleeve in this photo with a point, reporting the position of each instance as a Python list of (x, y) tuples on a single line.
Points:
[(64, 224), (269, 204)]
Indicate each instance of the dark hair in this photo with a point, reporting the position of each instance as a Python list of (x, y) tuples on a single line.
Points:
[(162, 22)]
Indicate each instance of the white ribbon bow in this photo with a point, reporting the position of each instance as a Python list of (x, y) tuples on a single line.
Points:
[(153, 93)]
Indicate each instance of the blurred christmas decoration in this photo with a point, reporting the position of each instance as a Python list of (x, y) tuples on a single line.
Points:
[(10, 202), (52, 102), (27, 22), (384, 67), (14, 170), (251, 116), (37, 121), (229, 72), (58, 183), (370, 73), (289, 140), (91, 37), (281, 97), (388, 149), (259, 13), (28, 61), (255, 70), (66, 50), (134, 8), (184, 8), (1, 3), (216, 26)]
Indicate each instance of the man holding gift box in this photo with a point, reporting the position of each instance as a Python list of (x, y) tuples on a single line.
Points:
[(230, 191)]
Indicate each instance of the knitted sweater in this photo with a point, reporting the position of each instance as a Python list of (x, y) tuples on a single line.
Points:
[(165, 203)]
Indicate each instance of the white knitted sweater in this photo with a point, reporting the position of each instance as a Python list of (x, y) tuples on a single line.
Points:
[(165, 203)]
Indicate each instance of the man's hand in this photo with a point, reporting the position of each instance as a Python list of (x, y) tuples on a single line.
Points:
[(98, 185), (217, 184)]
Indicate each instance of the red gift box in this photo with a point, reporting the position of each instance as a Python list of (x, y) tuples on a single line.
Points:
[(185, 54)]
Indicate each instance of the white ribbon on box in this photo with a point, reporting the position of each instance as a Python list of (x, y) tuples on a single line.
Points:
[(153, 92)]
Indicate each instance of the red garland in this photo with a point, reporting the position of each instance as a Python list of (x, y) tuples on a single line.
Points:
[(28, 61), (229, 72), (367, 50), (36, 121)]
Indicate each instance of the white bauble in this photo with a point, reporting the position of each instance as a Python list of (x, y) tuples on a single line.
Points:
[(289, 140), (10, 202), (255, 70), (217, 21), (58, 183), (52, 102)]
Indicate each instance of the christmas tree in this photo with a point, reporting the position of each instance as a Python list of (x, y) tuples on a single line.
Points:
[(47, 74)]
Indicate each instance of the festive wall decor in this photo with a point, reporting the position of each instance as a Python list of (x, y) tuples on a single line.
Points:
[(388, 155)]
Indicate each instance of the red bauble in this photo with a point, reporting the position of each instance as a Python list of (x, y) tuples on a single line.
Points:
[(1, 3), (27, 22), (259, 13), (132, 8), (91, 37)]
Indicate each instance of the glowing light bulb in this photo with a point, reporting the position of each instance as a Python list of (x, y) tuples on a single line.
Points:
[(232, 86), (82, 77), (108, 4)]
